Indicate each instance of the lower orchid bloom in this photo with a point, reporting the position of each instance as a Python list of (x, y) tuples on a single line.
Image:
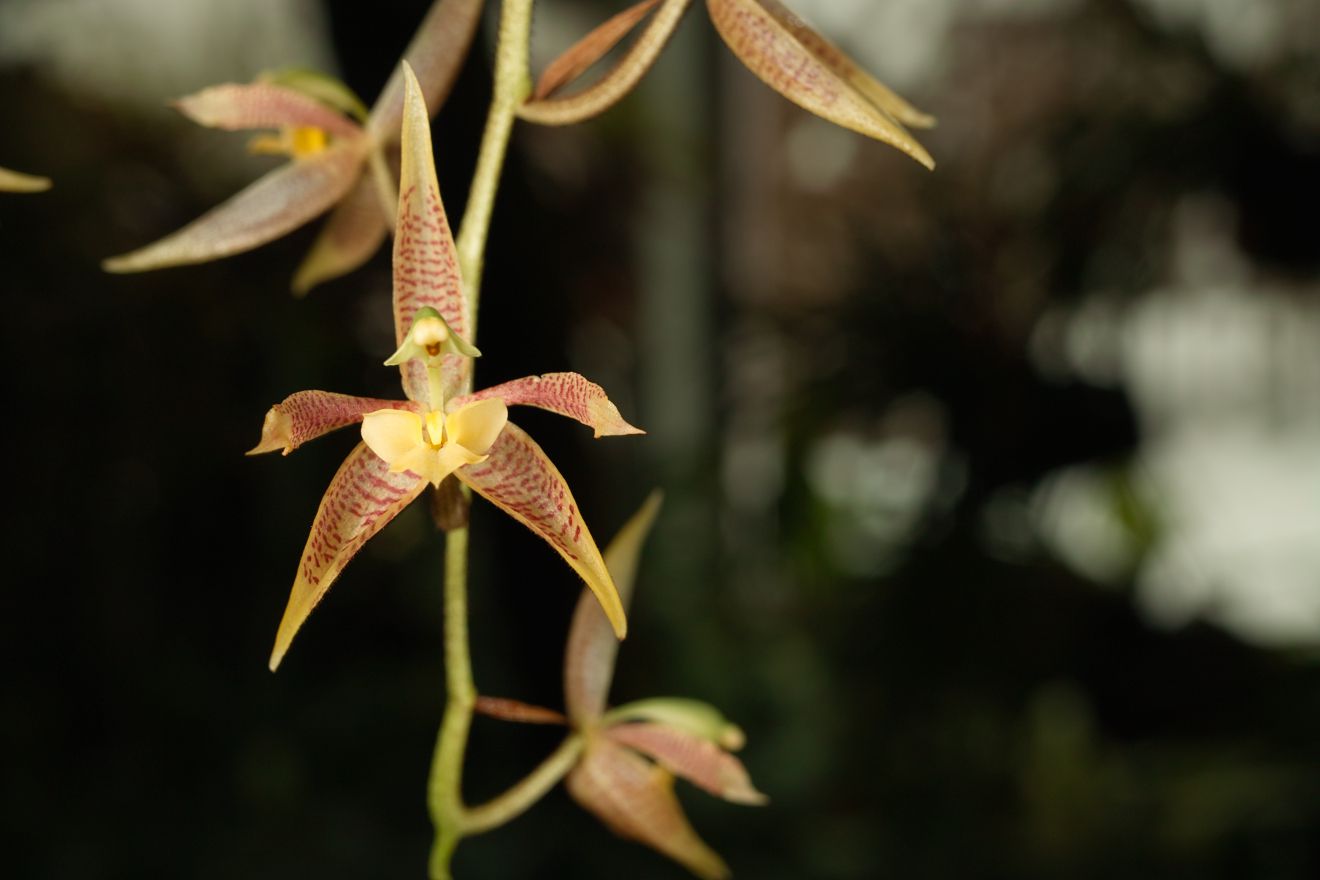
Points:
[(15, 181), (439, 430), (632, 753), (337, 150)]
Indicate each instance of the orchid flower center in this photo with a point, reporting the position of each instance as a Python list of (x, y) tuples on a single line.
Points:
[(297, 141), (431, 334), (434, 445)]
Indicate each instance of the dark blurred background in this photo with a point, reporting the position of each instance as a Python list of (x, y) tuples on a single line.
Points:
[(993, 494)]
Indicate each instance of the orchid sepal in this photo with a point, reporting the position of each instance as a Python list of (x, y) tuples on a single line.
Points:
[(17, 181)]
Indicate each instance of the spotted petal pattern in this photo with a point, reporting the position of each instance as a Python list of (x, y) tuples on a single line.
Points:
[(592, 648), (635, 799), (353, 232), (611, 88), (696, 759), (273, 205), (794, 60), (518, 478), (568, 394), (436, 55), (306, 415), (362, 498), (234, 106), (425, 260)]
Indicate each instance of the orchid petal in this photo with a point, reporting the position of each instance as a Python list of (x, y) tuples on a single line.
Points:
[(15, 181), (323, 87), (794, 60), (477, 425), (306, 415), (519, 479), (579, 57), (591, 651), (567, 394), (361, 499), (436, 54), (235, 106), (610, 89), (696, 759), (393, 435), (354, 232), (274, 204), (635, 799), (426, 269)]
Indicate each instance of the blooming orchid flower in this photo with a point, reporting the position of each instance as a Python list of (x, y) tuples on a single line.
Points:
[(439, 430), (625, 775), (14, 181), (633, 752), (337, 150), (767, 37)]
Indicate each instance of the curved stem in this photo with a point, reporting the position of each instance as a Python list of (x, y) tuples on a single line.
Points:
[(515, 801), (444, 791)]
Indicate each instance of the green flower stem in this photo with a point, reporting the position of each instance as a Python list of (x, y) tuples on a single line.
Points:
[(513, 83), (532, 788), (444, 792)]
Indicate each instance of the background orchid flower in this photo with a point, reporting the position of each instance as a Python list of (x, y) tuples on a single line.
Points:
[(337, 154), (633, 752), (438, 429), (14, 181), (775, 44)]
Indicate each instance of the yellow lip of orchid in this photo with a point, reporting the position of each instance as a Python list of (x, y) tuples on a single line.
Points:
[(295, 141), (435, 445)]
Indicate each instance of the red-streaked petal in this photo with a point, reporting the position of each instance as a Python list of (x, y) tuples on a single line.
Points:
[(354, 232), (518, 478), (306, 415), (835, 58), (635, 799), (579, 57), (16, 181), (235, 106), (275, 204), (436, 54), (362, 498), (425, 261), (591, 649), (516, 711), (802, 66), (568, 394), (606, 92), (692, 757)]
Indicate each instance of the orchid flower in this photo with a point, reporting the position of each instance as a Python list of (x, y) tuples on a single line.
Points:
[(625, 775), (767, 37), (14, 181), (337, 151), (439, 430)]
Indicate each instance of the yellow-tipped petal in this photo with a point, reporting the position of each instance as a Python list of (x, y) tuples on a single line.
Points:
[(520, 480), (14, 181), (477, 425), (275, 433), (567, 394), (393, 434), (361, 500), (592, 649)]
